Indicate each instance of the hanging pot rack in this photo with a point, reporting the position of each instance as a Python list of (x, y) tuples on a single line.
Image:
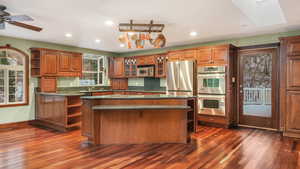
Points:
[(134, 27)]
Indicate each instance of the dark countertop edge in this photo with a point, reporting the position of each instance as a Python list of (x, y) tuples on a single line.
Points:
[(150, 91), (140, 107), (133, 97), (60, 94)]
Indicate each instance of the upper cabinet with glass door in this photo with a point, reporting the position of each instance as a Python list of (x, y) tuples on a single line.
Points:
[(12, 77)]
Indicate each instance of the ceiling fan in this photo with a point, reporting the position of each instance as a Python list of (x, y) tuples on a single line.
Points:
[(15, 20)]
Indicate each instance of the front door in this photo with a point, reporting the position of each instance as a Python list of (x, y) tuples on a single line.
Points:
[(257, 89)]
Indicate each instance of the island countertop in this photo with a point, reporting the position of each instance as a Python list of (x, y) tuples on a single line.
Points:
[(134, 97)]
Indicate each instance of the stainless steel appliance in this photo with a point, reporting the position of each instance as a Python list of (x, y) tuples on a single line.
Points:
[(180, 78), (211, 104), (145, 71), (211, 83), (211, 80), (211, 90)]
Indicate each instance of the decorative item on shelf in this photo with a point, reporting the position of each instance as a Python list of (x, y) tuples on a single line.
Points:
[(140, 33)]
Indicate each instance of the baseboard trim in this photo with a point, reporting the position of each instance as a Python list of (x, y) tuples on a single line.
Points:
[(15, 125), (263, 128)]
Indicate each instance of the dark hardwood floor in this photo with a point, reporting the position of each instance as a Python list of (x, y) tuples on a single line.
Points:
[(213, 148)]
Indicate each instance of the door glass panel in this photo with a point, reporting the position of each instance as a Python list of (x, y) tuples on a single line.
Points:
[(257, 84)]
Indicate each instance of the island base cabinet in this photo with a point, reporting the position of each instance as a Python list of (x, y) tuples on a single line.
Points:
[(138, 127), (61, 113), (138, 120)]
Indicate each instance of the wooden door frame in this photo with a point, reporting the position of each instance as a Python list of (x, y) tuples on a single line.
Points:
[(275, 82)]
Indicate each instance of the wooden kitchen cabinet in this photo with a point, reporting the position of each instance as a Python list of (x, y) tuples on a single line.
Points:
[(189, 54), (161, 66), (130, 67), (116, 67), (290, 85), (293, 47), (146, 60), (70, 64), (175, 55), (293, 109), (220, 55), (60, 112), (49, 62), (204, 56), (76, 63), (47, 84), (213, 55), (119, 84), (293, 68)]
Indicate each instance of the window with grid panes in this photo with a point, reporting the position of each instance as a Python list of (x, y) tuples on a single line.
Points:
[(94, 70), (12, 77)]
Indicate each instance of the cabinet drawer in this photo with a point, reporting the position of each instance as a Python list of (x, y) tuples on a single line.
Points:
[(212, 119)]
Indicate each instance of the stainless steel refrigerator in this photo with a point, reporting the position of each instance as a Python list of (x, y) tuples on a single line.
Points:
[(181, 78)]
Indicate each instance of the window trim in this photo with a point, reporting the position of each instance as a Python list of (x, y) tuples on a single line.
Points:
[(98, 58), (26, 89)]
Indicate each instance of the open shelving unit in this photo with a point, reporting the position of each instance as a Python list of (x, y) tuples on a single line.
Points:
[(191, 117), (73, 111), (35, 64)]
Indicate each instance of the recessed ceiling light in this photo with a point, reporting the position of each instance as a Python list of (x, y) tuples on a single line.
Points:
[(193, 33), (109, 23), (122, 45), (68, 35), (260, 0), (97, 40)]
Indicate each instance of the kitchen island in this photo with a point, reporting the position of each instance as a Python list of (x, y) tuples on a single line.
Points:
[(137, 119)]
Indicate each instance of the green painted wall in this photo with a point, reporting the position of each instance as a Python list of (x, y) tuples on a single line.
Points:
[(246, 41), (24, 113)]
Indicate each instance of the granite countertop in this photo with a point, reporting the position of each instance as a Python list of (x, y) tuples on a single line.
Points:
[(82, 93), (110, 90), (128, 97), (140, 107), (62, 94)]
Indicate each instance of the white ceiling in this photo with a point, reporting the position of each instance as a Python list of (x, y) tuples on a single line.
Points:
[(212, 19)]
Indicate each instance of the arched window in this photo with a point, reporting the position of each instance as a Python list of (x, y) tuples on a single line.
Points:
[(13, 77)]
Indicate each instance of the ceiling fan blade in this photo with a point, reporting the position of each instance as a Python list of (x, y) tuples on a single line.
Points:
[(2, 25), (19, 18), (23, 25)]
